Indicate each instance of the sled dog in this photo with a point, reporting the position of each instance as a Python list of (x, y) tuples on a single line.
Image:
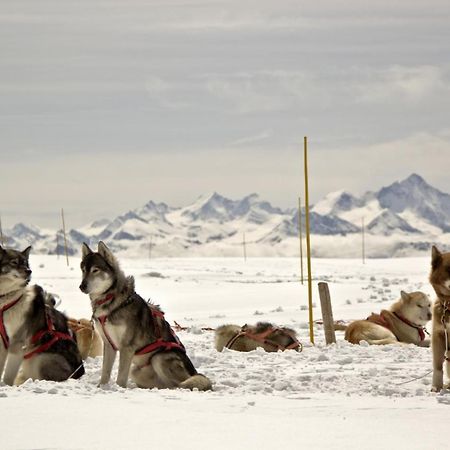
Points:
[(33, 333), (249, 337), (138, 331), (440, 280), (404, 322), (89, 341)]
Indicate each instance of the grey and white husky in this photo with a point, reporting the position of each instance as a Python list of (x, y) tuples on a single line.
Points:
[(33, 333), (146, 344)]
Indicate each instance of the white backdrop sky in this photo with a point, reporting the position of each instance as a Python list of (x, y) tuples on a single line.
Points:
[(105, 105)]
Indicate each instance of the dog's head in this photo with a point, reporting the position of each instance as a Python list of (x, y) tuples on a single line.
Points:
[(99, 269), (440, 272), (15, 272), (415, 306)]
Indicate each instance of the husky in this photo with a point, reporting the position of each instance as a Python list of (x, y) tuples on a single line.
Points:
[(440, 332), (403, 323), (89, 342), (33, 333), (149, 350), (249, 337)]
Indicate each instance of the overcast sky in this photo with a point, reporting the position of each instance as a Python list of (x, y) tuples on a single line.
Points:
[(105, 105)]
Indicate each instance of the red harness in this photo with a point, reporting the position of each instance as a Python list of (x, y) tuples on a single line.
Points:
[(3, 333), (420, 330), (49, 331), (159, 345), (380, 320), (263, 338)]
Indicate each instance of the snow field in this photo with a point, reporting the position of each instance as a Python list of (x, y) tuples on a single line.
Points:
[(323, 397)]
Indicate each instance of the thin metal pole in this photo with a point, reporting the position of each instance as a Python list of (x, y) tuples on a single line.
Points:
[(244, 247), (57, 245), (308, 243), (300, 237), (65, 238), (363, 242)]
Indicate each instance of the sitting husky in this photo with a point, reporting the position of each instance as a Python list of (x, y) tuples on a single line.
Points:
[(33, 333), (404, 322), (440, 280), (249, 337), (89, 342), (140, 333)]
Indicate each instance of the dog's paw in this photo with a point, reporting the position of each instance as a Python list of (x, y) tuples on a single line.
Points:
[(436, 389)]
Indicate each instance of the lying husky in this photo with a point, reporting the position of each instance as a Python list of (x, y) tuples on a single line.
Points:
[(440, 280), (89, 341), (404, 322), (129, 326), (33, 333), (249, 337)]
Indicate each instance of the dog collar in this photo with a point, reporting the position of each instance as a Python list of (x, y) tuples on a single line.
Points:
[(104, 300)]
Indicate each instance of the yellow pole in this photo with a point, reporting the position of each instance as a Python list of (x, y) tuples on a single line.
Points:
[(308, 243), (300, 237)]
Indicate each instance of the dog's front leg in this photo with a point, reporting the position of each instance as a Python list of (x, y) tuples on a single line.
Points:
[(438, 348), (109, 356), (126, 356), (12, 367), (3, 355)]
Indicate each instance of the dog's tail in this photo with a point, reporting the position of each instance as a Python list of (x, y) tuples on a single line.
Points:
[(339, 325), (197, 381)]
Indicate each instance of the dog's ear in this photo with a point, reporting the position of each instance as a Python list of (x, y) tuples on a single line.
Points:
[(436, 257), (404, 295), (105, 252), (85, 250), (26, 252)]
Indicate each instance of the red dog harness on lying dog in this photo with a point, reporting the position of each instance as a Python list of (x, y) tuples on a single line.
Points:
[(3, 333), (263, 338), (379, 319), (159, 345), (49, 331)]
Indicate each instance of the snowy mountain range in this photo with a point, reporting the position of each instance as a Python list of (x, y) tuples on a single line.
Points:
[(402, 219)]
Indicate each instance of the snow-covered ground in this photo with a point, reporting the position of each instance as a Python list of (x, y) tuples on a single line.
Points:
[(342, 396)]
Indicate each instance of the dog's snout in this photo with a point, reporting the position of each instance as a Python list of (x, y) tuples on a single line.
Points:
[(83, 287), (429, 316), (27, 272)]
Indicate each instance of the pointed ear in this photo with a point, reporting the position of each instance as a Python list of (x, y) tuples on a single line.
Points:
[(85, 250), (404, 295), (105, 252), (26, 252), (436, 257)]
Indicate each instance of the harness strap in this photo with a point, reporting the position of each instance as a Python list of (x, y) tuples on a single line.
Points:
[(263, 338), (102, 320), (50, 331), (3, 332), (160, 345), (421, 330)]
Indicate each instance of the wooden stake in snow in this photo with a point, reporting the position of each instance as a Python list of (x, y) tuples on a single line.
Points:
[(65, 238), (363, 241), (327, 314), (308, 242), (300, 237), (1, 232), (244, 247)]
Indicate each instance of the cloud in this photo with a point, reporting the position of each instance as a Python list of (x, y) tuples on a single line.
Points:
[(404, 84)]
